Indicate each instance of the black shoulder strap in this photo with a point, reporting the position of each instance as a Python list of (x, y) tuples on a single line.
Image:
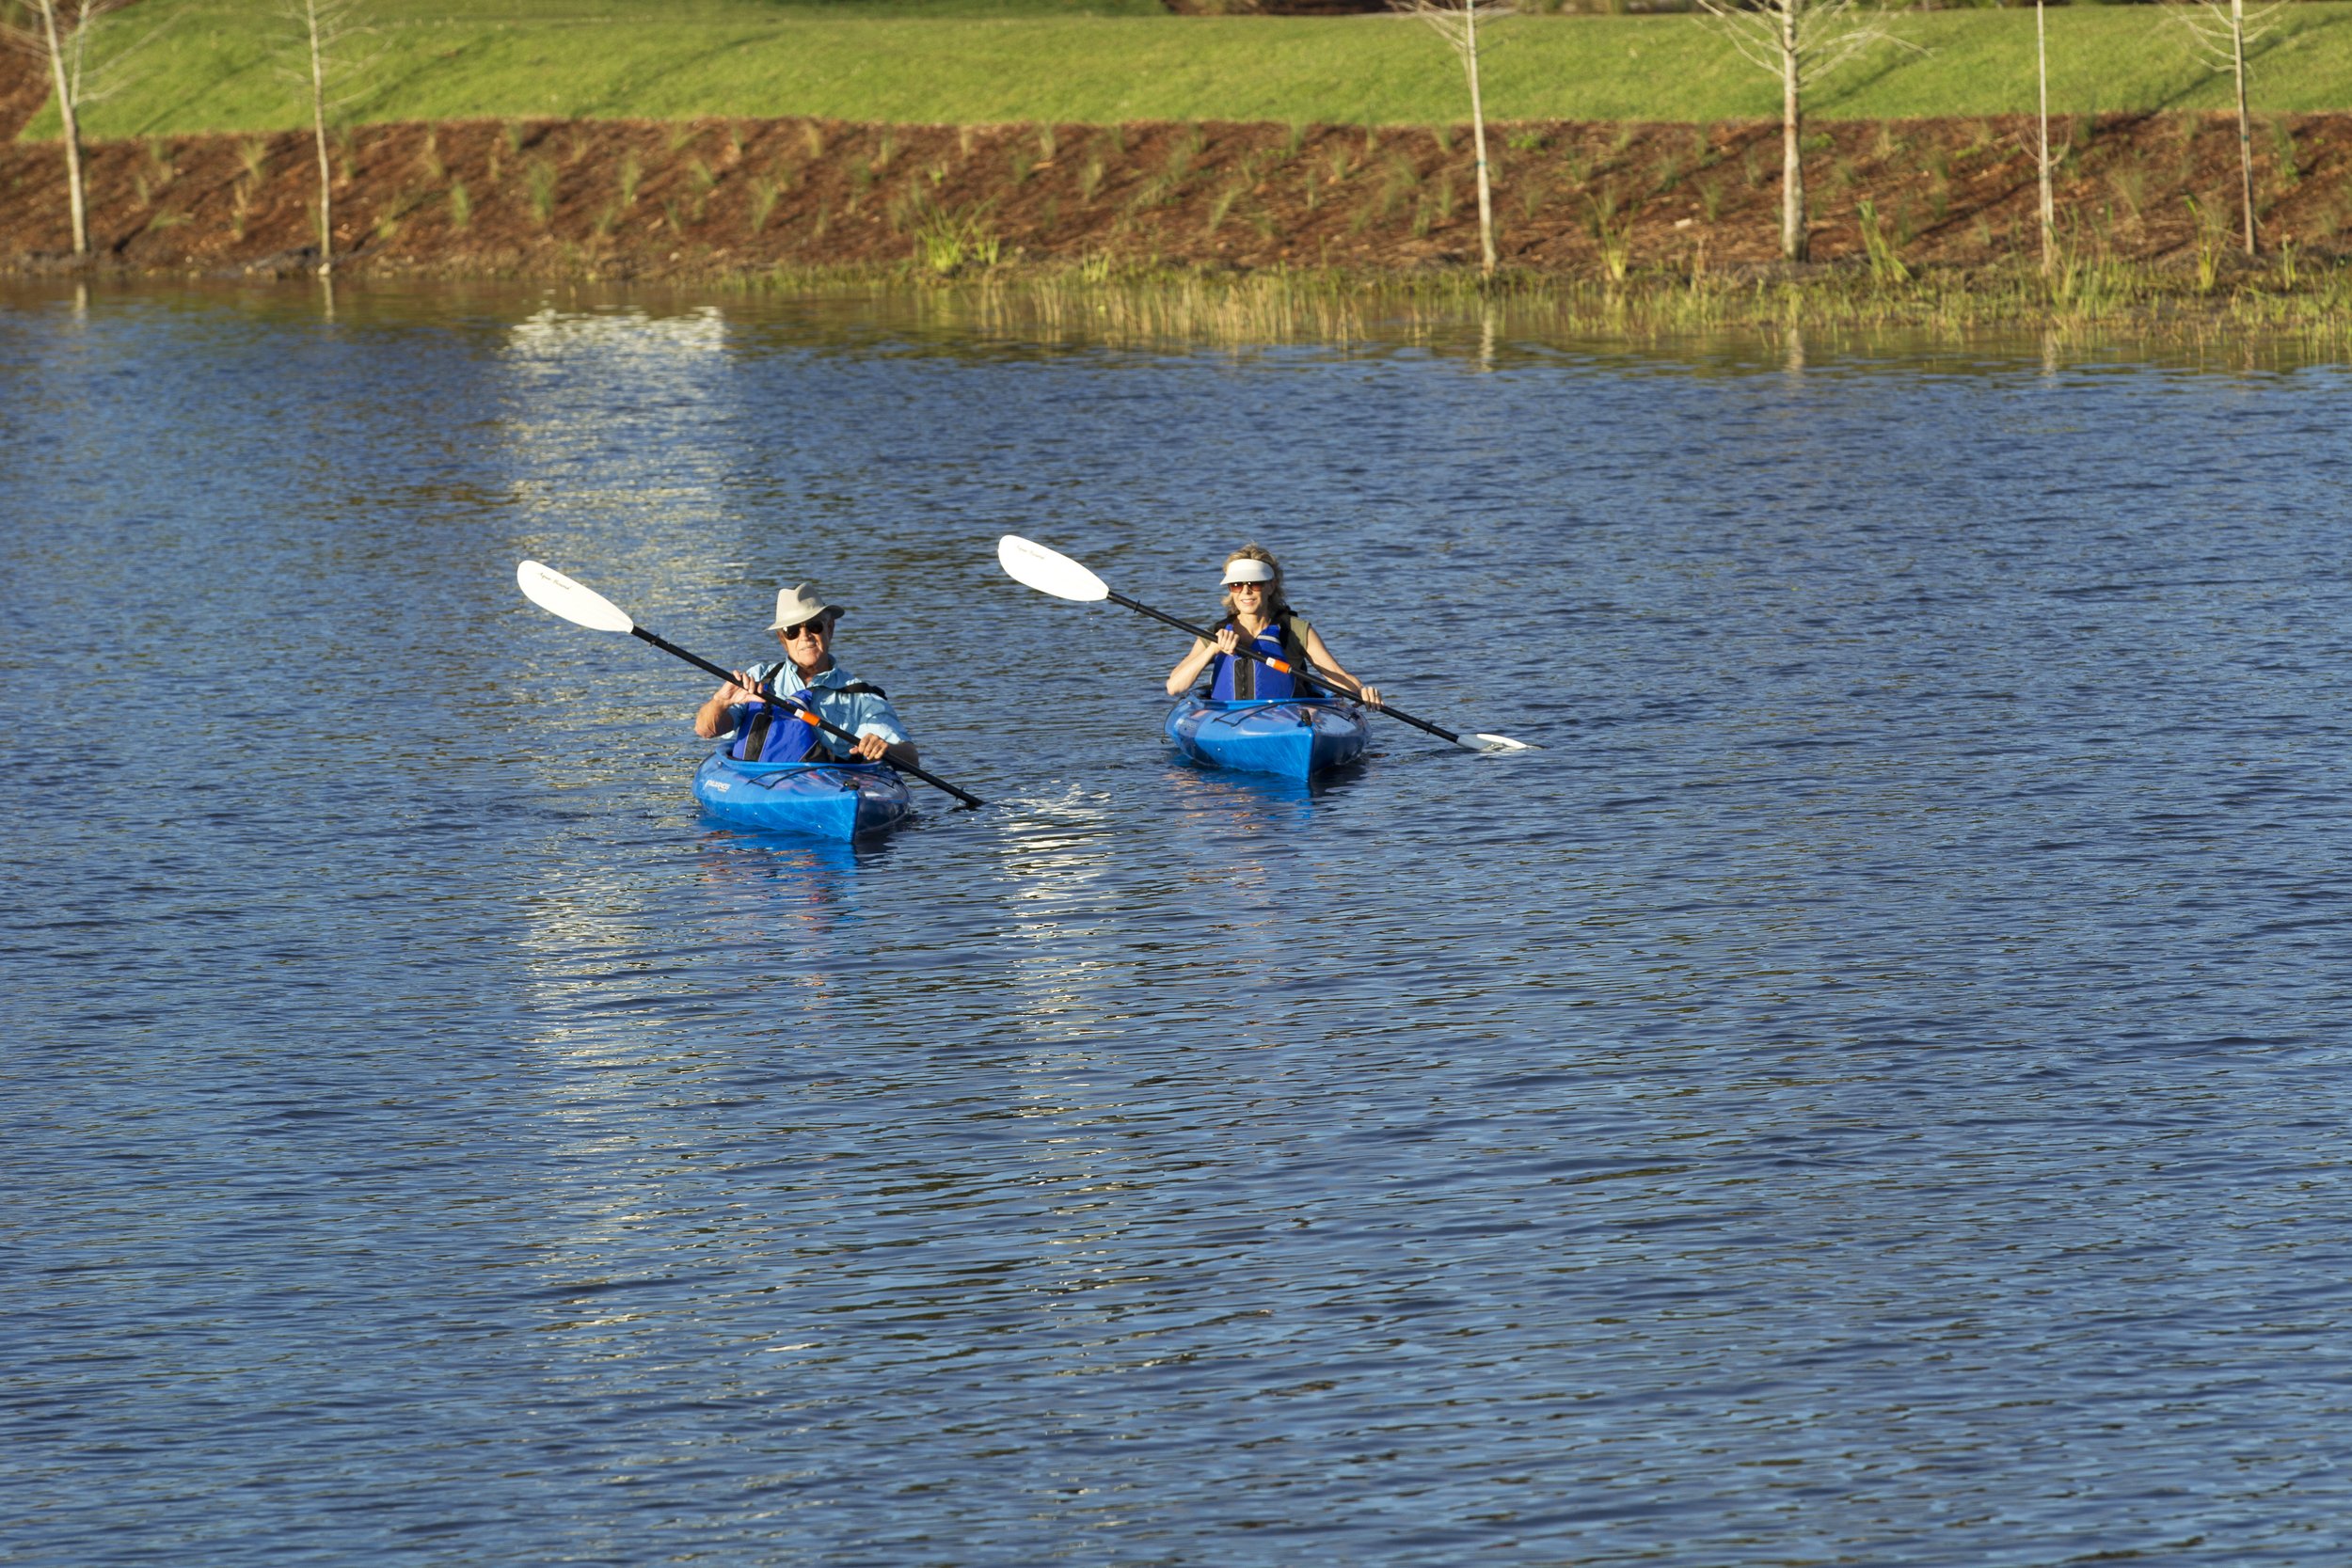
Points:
[(1294, 655)]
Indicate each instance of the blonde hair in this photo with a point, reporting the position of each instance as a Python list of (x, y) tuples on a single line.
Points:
[(1271, 603)]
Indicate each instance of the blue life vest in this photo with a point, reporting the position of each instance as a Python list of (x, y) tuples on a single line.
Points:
[(1240, 680), (771, 733)]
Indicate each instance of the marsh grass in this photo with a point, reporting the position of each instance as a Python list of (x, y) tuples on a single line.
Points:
[(1048, 142), (1399, 183), (630, 175), (1100, 299), (2282, 150), (948, 240), (813, 137), (2128, 182), (1612, 232), (253, 155), (1219, 208), (429, 162), (460, 206), (765, 191), (1886, 266), (2211, 219), (1090, 177), (539, 179)]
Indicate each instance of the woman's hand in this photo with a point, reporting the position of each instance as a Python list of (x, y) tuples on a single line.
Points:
[(1228, 641), (1368, 695)]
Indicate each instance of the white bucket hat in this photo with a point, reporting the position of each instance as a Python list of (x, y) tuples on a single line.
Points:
[(1247, 571), (800, 602)]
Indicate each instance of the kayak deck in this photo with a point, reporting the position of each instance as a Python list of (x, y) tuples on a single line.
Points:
[(828, 799), (1294, 737)]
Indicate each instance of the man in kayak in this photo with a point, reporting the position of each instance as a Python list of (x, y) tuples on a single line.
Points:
[(806, 674), (1255, 612)]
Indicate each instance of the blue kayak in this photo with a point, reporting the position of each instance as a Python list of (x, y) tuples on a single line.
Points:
[(828, 799), (1296, 738)]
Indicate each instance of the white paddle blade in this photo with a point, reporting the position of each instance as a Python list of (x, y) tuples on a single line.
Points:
[(1048, 571), (558, 594), (1495, 743)]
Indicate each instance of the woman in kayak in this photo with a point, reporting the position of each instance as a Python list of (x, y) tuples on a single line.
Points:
[(808, 674), (1255, 612)]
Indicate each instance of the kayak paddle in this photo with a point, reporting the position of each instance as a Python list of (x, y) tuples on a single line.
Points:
[(558, 594), (1051, 572)]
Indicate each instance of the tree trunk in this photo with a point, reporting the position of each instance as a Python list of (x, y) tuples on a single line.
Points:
[(318, 131), (76, 196), (1792, 237), (2245, 134), (2049, 206), (1478, 142)]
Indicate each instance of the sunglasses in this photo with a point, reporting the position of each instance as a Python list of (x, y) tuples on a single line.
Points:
[(1245, 587), (805, 628)]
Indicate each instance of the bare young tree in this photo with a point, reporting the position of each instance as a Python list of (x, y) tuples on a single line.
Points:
[(1458, 22), (2220, 33), (1799, 41), (2049, 204), (324, 27), (60, 39)]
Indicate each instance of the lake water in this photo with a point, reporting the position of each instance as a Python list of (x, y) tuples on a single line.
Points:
[(1866, 1092)]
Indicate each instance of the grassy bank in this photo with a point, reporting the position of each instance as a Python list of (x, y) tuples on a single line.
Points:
[(227, 65), (1595, 200)]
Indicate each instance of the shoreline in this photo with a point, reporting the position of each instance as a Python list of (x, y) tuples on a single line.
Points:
[(1629, 227)]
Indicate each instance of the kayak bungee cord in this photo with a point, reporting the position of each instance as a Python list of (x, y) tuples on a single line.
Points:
[(558, 594), (1051, 572)]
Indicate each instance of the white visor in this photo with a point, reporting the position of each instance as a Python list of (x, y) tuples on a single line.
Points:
[(1249, 571)]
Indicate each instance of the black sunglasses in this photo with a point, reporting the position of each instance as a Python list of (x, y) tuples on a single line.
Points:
[(816, 626)]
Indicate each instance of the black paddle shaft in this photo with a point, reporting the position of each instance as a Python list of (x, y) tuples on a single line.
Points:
[(823, 723), (1296, 675)]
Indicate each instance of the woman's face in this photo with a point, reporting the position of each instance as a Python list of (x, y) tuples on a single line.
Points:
[(1249, 598)]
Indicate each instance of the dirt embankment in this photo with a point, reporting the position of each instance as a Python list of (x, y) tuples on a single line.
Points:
[(23, 90), (714, 197)]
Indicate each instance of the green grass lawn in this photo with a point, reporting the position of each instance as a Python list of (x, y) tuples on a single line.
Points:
[(213, 65)]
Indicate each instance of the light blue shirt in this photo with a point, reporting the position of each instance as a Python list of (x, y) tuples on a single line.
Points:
[(862, 713)]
